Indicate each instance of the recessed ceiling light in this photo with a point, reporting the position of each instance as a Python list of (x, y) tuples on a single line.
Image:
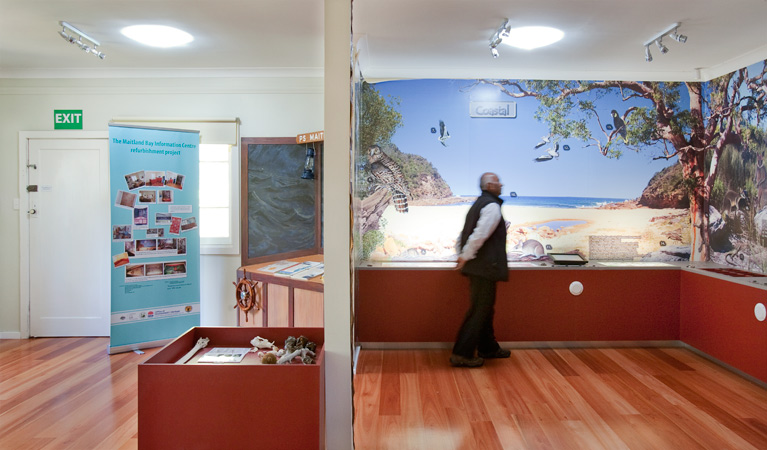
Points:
[(157, 35), (529, 38)]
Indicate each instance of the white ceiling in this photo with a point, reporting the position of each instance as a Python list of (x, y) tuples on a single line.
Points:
[(396, 38)]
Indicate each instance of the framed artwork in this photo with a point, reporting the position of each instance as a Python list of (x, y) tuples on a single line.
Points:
[(281, 211)]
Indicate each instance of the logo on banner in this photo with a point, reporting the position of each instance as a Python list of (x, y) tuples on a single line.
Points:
[(506, 110)]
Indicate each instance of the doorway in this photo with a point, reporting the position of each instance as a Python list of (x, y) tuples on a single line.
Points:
[(65, 234)]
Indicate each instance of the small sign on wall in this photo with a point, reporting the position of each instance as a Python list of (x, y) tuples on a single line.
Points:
[(68, 119), (506, 110), (306, 138)]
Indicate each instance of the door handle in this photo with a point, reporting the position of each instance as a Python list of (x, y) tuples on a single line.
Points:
[(32, 211)]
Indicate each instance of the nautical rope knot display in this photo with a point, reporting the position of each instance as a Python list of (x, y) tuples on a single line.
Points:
[(247, 293)]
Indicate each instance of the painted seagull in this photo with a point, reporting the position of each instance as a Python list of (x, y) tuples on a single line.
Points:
[(443, 134)]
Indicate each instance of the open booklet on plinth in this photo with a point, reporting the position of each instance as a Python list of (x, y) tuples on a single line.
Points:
[(224, 355)]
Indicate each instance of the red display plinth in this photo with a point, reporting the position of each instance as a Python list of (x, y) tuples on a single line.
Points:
[(233, 406)]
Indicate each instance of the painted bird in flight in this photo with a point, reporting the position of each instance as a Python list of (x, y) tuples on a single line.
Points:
[(544, 140), (443, 134), (551, 153), (619, 124)]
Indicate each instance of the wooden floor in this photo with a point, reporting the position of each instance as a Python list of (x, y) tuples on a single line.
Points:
[(69, 394), (627, 398)]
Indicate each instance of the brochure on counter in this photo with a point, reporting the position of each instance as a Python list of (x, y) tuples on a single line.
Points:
[(277, 266), (298, 268), (310, 273)]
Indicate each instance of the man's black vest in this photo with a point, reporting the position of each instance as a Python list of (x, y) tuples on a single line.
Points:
[(491, 258)]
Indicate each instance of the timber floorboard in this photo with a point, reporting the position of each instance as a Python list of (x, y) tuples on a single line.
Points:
[(556, 398), (68, 393)]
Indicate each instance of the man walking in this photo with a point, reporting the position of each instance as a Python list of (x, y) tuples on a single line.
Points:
[(482, 257)]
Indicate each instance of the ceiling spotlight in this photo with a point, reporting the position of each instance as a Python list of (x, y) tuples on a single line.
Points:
[(647, 54), (78, 37), (663, 49), (671, 32), (678, 37), (98, 53)]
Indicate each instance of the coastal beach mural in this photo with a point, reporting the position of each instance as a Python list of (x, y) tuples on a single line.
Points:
[(631, 171)]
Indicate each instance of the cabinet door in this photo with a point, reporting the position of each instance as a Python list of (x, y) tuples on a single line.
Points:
[(717, 317)]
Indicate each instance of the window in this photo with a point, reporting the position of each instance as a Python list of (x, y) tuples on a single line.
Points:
[(219, 215)]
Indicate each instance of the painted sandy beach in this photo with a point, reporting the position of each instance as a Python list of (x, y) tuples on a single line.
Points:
[(430, 232)]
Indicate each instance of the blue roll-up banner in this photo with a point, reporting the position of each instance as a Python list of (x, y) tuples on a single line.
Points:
[(154, 178)]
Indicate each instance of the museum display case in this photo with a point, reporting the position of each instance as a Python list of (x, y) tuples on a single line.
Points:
[(231, 405)]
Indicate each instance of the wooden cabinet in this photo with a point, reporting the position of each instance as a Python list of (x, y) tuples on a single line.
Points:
[(406, 305), (231, 406), (717, 318), (286, 302)]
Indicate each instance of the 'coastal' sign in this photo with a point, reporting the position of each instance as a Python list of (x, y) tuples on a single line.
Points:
[(68, 119), (506, 110)]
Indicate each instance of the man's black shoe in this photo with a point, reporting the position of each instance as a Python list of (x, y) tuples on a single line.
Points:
[(461, 361), (500, 353)]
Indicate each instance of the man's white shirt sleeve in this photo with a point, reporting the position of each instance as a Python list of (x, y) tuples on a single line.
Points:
[(489, 216)]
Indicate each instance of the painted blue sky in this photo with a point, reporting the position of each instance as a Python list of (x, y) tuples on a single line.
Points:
[(507, 146)]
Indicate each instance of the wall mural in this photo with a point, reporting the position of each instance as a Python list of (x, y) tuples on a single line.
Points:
[(614, 170)]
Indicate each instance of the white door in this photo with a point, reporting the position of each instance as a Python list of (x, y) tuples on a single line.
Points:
[(69, 238)]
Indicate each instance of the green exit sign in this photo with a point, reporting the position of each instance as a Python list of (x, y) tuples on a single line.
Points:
[(68, 119)]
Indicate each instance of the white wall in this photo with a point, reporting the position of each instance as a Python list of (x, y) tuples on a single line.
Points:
[(267, 107), (337, 189)]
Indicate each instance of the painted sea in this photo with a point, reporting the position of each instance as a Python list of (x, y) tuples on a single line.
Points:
[(556, 202)]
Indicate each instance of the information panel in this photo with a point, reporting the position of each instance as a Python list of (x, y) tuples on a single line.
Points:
[(154, 179)]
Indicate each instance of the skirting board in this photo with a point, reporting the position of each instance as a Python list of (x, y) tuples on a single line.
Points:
[(139, 346), (10, 335), (522, 344), (726, 366)]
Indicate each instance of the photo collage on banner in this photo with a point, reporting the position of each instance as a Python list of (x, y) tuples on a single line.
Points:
[(155, 239)]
